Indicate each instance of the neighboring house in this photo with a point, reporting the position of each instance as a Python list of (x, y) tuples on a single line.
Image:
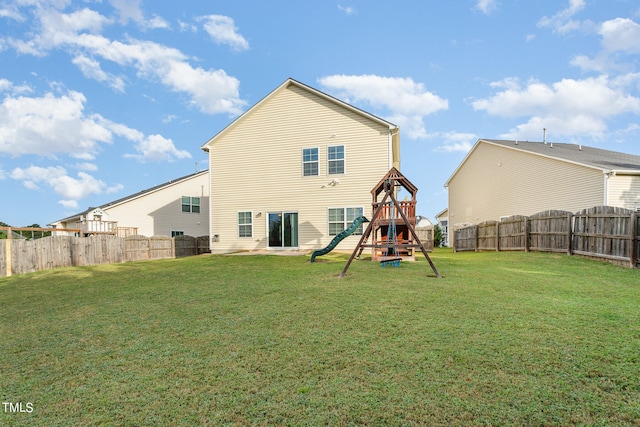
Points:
[(296, 169), (501, 178), (177, 207), (423, 222), (443, 221)]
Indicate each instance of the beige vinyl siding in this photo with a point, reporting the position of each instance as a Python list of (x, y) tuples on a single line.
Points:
[(256, 166), (495, 181), (624, 191), (160, 212)]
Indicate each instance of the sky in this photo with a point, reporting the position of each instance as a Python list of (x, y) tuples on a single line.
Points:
[(100, 99)]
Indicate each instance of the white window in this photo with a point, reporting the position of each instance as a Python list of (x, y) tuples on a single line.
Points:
[(341, 218), (177, 233), (310, 162), (335, 159), (245, 224), (190, 204)]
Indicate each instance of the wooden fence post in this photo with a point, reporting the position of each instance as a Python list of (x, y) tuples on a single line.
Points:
[(633, 254), (475, 236), (570, 234), (526, 233), (8, 253), (497, 237)]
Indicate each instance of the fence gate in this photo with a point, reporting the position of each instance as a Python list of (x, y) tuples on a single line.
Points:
[(605, 232), (136, 248), (185, 246), (160, 247)]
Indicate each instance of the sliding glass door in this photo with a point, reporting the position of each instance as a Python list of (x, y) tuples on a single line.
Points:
[(283, 229)]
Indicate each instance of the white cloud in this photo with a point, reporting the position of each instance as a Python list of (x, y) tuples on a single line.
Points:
[(562, 21), (211, 91), (91, 69), (618, 40), (131, 10), (185, 26), (158, 148), (568, 107), (128, 10), (70, 189), (601, 63), (348, 10), (86, 166), (168, 118), (223, 30), (408, 102), (486, 6), (52, 125), (69, 204), (10, 11), (5, 85), (454, 142), (620, 34), (156, 22), (49, 125), (58, 29)]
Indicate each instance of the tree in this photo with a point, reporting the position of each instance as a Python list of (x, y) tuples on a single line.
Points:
[(437, 236)]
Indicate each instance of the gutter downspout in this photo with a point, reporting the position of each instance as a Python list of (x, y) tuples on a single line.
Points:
[(394, 141), (607, 175)]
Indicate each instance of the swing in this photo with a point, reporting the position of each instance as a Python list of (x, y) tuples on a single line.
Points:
[(401, 240), (391, 259)]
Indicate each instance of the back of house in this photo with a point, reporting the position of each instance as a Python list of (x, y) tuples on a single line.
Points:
[(295, 170)]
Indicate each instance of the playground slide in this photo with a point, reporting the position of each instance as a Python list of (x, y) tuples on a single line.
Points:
[(339, 237)]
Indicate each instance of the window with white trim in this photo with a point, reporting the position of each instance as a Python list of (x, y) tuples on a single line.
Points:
[(245, 224), (176, 233), (190, 204), (310, 162), (341, 218), (335, 160)]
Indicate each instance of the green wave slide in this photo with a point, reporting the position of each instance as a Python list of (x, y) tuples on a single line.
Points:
[(339, 237)]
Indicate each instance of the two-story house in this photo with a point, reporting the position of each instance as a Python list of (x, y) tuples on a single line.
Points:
[(294, 170), (501, 178), (177, 207)]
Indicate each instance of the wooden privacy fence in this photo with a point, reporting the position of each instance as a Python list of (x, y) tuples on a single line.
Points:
[(26, 256), (426, 236), (188, 246), (602, 232)]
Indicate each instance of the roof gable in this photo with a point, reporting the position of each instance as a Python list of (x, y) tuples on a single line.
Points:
[(606, 160), (289, 82), (398, 178)]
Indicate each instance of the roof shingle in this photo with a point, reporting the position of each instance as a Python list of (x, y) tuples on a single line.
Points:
[(595, 157)]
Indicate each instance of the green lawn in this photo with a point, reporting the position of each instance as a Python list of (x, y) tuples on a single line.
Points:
[(502, 339)]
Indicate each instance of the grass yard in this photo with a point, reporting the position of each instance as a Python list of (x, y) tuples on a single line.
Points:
[(502, 339)]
